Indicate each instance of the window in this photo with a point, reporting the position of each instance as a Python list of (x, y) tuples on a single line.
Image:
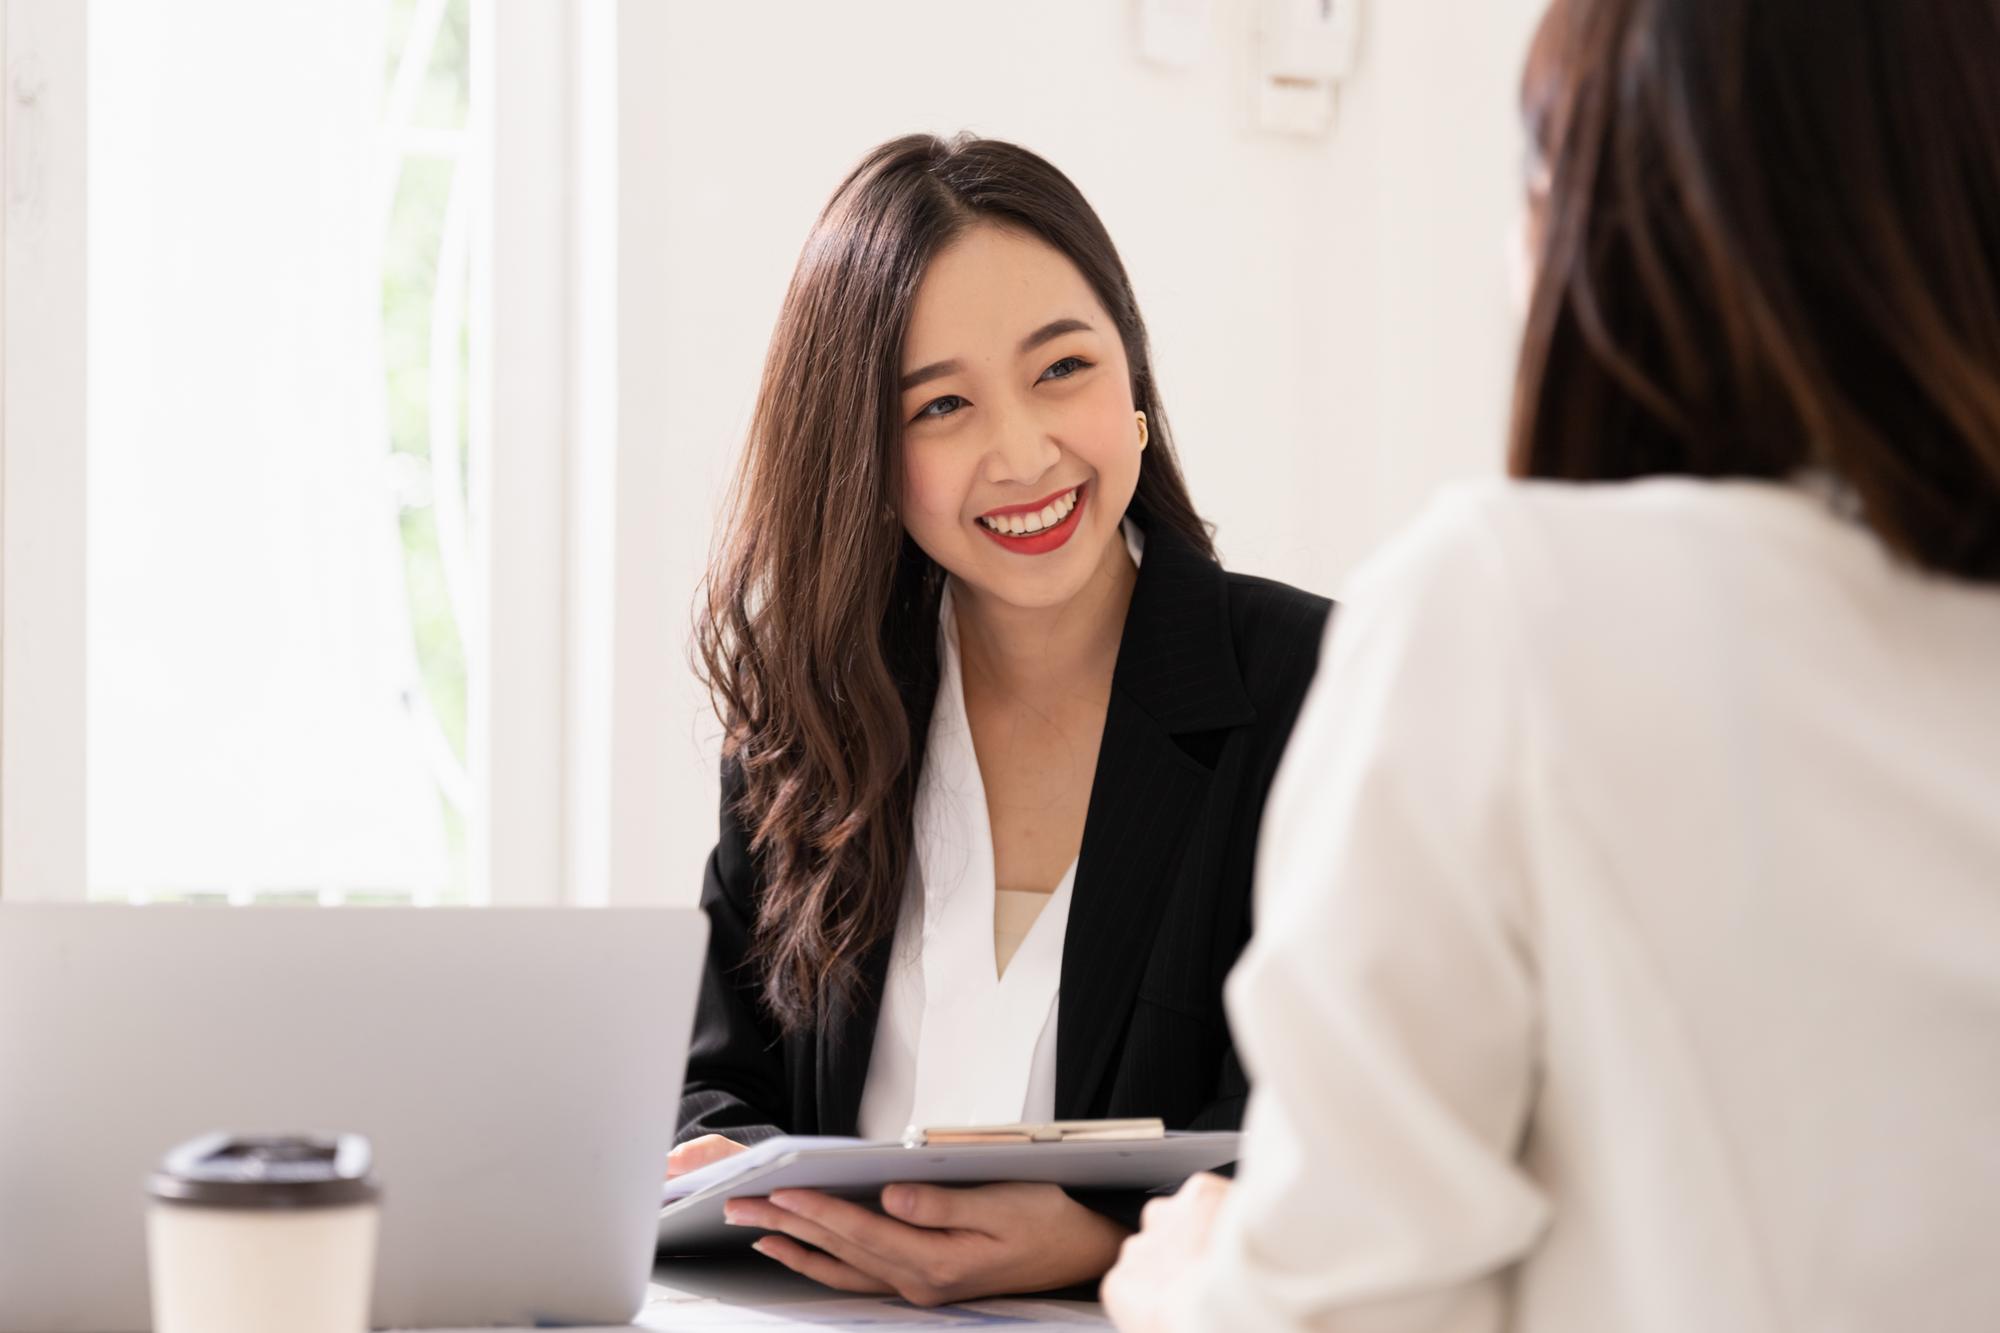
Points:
[(283, 497), (281, 204)]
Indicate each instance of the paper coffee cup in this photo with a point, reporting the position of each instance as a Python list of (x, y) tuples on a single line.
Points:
[(253, 1235)]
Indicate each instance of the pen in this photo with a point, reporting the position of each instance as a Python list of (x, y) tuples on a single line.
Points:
[(1052, 1131)]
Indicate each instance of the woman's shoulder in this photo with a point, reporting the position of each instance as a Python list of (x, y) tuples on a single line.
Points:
[(1261, 608), (1562, 548), (1277, 629)]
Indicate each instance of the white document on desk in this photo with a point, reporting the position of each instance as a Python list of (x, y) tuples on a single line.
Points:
[(863, 1312), (852, 1312)]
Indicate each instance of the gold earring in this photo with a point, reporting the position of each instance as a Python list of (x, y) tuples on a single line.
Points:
[(1142, 430)]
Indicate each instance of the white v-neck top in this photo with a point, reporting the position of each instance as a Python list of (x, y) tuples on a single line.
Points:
[(959, 1040)]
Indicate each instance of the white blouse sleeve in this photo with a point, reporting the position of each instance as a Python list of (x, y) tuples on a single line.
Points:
[(1386, 1006)]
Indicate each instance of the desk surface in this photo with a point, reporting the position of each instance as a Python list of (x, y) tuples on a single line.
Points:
[(756, 1294)]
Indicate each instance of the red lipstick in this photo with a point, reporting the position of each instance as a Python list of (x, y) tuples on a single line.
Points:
[(1048, 539)]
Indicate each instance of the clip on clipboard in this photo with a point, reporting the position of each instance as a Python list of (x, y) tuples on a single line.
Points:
[(1049, 1131)]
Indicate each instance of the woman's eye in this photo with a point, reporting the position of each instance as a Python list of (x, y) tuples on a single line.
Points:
[(941, 407), (1064, 368)]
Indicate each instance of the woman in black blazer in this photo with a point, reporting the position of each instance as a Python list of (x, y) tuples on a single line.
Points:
[(960, 336)]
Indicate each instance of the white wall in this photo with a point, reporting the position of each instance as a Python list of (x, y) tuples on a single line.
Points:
[(1409, 310), (1328, 315)]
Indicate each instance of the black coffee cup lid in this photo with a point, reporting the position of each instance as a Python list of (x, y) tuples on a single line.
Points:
[(276, 1171)]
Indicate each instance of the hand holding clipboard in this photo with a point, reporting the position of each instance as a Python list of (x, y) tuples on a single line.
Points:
[(1102, 1154)]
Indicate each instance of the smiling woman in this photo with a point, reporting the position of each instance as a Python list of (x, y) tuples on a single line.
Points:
[(998, 728)]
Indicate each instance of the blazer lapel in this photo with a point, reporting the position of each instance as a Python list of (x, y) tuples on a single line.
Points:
[(1176, 678)]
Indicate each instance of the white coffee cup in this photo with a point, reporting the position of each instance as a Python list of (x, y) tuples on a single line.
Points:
[(251, 1235)]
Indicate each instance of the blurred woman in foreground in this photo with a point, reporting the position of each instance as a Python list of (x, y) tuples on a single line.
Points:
[(1628, 945)]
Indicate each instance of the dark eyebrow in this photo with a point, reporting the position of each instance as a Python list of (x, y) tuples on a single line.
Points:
[(924, 374), (1055, 328)]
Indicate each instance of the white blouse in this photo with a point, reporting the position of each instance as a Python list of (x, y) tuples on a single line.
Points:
[(1628, 941), (960, 1041)]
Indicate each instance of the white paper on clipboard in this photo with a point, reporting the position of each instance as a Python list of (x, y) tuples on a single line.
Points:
[(692, 1222)]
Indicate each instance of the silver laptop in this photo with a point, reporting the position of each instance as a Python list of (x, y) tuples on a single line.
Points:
[(517, 1071)]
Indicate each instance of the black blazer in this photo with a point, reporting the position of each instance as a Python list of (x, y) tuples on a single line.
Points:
[(1211, 670)]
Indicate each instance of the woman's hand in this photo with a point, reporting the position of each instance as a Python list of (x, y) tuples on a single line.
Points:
[(1172, 1238), (697, 1153), (936, 1245)]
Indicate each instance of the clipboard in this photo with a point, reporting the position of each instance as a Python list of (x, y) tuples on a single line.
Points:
[(691, 1220)]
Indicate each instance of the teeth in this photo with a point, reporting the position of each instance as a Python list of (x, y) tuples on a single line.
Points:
[(1019, 525)]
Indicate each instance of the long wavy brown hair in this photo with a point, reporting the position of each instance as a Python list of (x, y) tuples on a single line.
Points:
[(1769, 242), (817, 630)]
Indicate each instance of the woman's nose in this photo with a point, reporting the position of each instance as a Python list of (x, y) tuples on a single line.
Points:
[(1023, 452)]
